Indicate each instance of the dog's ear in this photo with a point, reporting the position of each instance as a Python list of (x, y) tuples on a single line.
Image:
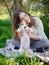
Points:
[(30, 24)]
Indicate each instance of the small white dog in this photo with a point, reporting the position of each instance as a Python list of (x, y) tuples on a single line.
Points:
[(25, 39)]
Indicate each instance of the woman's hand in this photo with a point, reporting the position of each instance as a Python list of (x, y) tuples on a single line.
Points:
[(20, 34), (29, 33)]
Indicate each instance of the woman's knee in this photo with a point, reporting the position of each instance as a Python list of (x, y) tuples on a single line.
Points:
[(16, 43), (39, 44)]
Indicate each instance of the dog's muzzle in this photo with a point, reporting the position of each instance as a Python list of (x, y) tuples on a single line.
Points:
[(24, 27)]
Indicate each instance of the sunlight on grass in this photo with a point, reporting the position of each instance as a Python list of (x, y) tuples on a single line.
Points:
[(4, 16), (3, 11)]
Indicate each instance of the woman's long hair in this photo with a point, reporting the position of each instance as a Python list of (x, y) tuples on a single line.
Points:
[(16, 19)]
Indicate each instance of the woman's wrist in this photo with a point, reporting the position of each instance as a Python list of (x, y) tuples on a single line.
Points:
[(35, 37)]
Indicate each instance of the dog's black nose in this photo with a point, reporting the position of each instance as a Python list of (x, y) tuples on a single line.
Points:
[(24, 26)]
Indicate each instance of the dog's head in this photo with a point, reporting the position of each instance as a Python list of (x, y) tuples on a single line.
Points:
[(22, 26)]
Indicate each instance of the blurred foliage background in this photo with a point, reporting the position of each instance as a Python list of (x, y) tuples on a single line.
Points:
[(34, 7)]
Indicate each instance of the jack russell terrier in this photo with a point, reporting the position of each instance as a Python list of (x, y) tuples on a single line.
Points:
[(25, 39)]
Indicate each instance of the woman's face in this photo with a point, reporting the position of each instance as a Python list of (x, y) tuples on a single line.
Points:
[(24, 16)]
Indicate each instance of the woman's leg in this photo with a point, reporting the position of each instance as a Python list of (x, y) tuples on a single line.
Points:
[(39, 44), (16, 43)]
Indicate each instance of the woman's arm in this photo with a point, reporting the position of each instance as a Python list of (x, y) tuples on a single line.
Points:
[(40, 28), (32, 36), (40, 31), (35, 37)]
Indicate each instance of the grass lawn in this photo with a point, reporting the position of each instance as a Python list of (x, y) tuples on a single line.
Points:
[(5, 27), (5, 31)]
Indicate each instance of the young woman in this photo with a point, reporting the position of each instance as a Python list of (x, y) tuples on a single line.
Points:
[(37, 41)]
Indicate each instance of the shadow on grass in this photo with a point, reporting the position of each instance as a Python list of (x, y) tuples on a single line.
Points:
[(5, 31)]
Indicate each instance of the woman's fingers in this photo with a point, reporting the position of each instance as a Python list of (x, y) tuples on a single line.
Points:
[(20, 33), (27, 31)]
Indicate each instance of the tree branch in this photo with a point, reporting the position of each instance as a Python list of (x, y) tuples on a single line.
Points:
[(8, 8), (15, 4), (20, 4), (12, 7)]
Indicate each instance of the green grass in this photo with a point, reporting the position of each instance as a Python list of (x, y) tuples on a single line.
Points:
[(5, 31), (5, 27), (45, 21), (22, 59), (2, 12)]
